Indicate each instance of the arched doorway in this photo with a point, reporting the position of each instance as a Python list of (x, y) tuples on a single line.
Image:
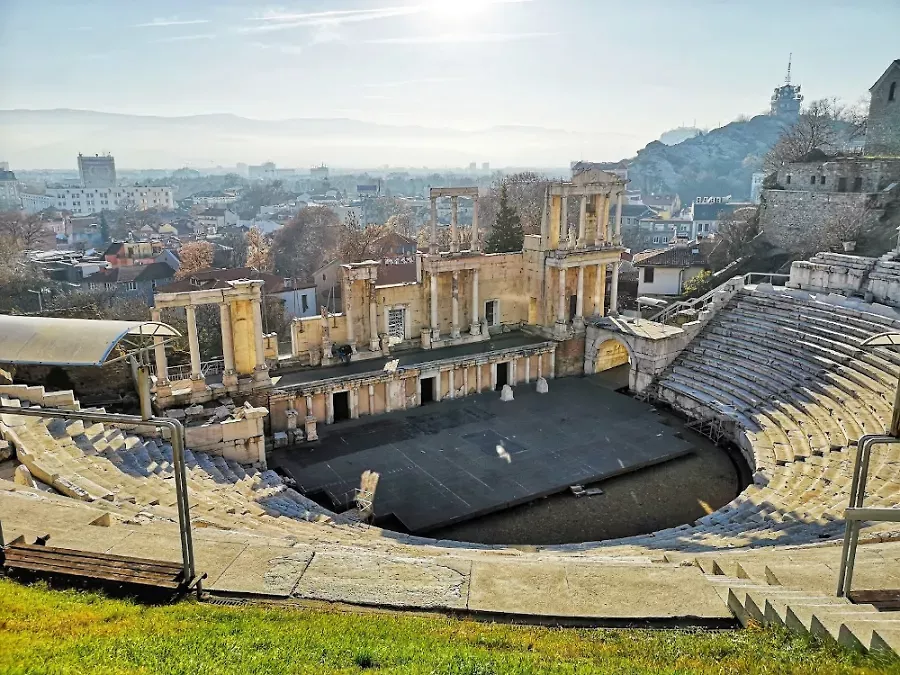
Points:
[(610, 354)]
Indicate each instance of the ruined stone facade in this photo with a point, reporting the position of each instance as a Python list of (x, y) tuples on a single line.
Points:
[(883, 127)]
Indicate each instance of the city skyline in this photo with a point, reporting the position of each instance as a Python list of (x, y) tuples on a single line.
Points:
[(616, 78)]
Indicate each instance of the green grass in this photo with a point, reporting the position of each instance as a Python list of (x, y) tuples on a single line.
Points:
[(45, 631)]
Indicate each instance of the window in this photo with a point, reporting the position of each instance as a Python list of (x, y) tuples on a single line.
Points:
[(109, 286), (892, 91), (396, 324), (492, 312), (857, 184), (304, 300), (131, 286), (655, 240), (648, 275), (821, 180), (812, 180), (842, 184), (788, 179)]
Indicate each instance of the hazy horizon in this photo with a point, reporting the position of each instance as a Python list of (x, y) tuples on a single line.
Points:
[(592, 80)]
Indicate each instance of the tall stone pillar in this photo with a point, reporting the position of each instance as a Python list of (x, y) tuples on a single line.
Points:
[(454, 217), (614, 290), (561, 306), (599, 203), (229, 377), (564, 221), (261, 369), (474, 244), (193, 342), (579, 296), (374, 342), (454, 296), (582, 217), (433, 246), (599, 289), (348, 313), (435, 326), (159, 355), (475, 328), (617, 238)]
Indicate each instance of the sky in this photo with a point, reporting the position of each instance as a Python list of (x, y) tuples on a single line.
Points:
[(635, 68)]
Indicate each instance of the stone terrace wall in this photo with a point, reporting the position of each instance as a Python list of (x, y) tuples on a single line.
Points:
[(791, 218), (876, 280)]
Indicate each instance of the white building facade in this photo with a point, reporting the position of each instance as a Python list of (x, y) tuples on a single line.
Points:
[(87, 201)]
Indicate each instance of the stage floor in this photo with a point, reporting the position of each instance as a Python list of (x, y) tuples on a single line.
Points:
[(451, 461)]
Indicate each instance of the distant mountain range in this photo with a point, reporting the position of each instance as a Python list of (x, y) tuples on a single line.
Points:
[(33, 139)]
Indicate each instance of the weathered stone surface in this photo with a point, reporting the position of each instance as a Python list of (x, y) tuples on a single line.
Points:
[(381, 580), (506, 394), (541, 386), (268, 570)]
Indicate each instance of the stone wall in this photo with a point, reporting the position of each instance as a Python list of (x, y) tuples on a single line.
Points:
[(876, 280), (795, 219), (858, 174), (883, 129), (234, 433), (570, 357)]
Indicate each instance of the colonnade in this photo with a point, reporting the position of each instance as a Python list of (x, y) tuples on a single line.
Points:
[(454, 194), (475, 327), (599, 291), (602, 233)]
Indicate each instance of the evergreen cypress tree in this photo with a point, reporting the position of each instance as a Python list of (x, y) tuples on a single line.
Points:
[(104, 228), (506, 235)]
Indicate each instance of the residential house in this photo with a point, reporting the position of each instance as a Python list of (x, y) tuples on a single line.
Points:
[(665, 205), (665, 271), (123, 253), (654, 231), (9, 191), (299, 299), (131, 281), (397, 254), (706, 212), (213, 220)]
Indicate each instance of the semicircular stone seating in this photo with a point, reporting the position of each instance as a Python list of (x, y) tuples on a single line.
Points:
[(784, 374)]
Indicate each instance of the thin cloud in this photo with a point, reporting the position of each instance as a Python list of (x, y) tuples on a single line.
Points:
[(281, 21), (173, 21), (458, 38), (185, 38)]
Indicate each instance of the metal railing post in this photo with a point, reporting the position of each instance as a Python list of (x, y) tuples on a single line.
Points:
[(177, 438)]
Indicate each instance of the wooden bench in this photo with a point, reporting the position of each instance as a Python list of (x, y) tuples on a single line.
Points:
[(99, 567)]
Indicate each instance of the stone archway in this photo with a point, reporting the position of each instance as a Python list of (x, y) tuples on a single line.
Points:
[(611, 353)]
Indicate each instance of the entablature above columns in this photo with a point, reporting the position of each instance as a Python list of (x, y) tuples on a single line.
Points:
[(456, 262), (243, 289), (366, 270), (593, 189), (602, 255), (437, 192)]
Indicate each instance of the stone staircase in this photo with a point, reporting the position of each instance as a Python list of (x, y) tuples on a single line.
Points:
[(753, 593)]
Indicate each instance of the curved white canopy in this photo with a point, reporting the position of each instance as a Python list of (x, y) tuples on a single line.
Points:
[(890, 339), (70, 342)]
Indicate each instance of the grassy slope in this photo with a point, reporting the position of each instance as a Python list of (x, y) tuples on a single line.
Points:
[(44, 631)]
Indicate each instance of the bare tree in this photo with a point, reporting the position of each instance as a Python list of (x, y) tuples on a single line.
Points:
[(815, 129), (402, 222), (525, 194), (306, 242), (195, 256), (737, 231), (259, 251), (358, 242), (23, 231)]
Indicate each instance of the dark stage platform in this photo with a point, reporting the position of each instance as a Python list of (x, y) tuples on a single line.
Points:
[(455, 460)]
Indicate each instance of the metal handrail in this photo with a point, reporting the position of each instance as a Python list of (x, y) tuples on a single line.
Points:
[(177, 431), (183, 371), (855, 513)]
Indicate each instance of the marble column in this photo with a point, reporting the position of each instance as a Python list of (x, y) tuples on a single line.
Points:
[(614, 290), (579, 295), (564, 221), (229, 378), (513, 372), (479, 379), (527, 369), (348, 313), (466, 381), (451, 383), (454, 217), (454, 297), (599, 203), (561, 306), (475, 328), (599, 290), (354, 403), (329, 407), (374, 342), (433, 246), (193, 342), (435, 327), (261, 367), (617, 239), (582, 217), (159, 355), (309, 406), (474, 244), (371, 399)]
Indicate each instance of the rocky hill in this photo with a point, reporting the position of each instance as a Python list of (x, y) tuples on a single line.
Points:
[(719, 162)]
